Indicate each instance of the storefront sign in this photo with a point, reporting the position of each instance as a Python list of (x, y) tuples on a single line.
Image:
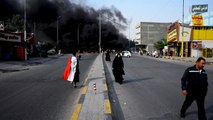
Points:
[(197, 20), (172, 26), (199, 8), (196, 44), (186, 33), (10, 37), (172, 32), (172, 36)]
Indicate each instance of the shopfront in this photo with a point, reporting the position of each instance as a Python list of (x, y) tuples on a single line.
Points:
[(12, 46), (174, 39), (202, 43)]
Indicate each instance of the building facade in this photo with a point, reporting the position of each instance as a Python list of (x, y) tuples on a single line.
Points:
[(148, 33), (12, 45), (197, 36)]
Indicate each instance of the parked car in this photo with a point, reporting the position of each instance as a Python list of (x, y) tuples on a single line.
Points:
[(155, 54), (51, 52), (126, 54)]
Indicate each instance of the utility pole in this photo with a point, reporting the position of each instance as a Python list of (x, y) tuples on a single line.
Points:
[(25, 32), (78, 37), (182, 32), (34, 29), (129, 35), (59, 51), (99, 33)]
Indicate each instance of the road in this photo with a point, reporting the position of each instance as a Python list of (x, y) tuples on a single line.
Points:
[(38, 91), (152, 90)]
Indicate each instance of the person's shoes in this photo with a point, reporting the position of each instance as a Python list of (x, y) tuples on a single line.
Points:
[(121, 82), (71, 85), (182, 115)]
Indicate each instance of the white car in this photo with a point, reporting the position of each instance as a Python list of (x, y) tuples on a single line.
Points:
[(51, 51), (155, 54), (126, 54)]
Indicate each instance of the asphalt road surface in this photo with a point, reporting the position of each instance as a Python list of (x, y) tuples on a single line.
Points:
[(38, 92), (152, 90)]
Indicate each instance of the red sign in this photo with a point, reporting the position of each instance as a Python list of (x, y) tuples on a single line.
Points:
[(196, 44)]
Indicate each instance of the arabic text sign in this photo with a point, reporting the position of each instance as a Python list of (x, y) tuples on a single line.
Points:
[(200, 8), (10, 37)]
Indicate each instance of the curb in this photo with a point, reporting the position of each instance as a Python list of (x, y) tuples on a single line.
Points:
[(107, 104), (193, 61)]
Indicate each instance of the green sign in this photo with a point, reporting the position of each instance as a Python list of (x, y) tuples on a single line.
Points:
[(200, 8)]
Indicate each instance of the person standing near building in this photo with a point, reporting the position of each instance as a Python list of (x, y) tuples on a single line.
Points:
[(194, 86)]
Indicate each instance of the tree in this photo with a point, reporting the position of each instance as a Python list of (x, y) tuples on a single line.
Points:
[(160, 44), (16, 23)]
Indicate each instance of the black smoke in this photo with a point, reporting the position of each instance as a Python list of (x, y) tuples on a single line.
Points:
[(42, 17)]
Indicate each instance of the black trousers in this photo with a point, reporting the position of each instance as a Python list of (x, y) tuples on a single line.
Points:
[(200, 100)]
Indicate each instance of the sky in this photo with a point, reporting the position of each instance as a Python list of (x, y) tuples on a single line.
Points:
[(136, 11)]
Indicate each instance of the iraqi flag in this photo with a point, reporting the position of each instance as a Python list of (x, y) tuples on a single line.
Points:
[(69, 72)]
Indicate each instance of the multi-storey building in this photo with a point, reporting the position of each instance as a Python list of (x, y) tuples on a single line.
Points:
[(148, 33)]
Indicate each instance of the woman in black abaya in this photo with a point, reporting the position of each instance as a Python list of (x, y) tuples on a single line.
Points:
[(117, 68)]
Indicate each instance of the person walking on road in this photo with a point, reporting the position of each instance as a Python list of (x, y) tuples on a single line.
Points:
[(77, 72), (194, 86), (107, 57), (118, 68), (71, 72)]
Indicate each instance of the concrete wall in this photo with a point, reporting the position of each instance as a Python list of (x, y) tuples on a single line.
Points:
[(151, 33)]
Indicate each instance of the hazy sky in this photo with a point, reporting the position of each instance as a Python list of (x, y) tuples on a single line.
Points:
[(149, 10)]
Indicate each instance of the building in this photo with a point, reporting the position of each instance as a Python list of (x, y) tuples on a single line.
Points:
[(148, 33), (12, 45), (197, 38), (174, 39), (202, 41)]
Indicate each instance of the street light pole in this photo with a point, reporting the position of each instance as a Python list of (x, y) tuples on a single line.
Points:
[(59, 51), (129, 35), (182, 32), (99, 33), (78, 37), (25, 32)]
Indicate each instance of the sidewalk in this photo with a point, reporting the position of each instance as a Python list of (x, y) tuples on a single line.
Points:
[(94, 104), (6, 66), (209, 61)]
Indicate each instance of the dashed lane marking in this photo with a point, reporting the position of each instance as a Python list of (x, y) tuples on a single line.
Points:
[(84, 90), (107, 107), (76, 112), (105, 87)]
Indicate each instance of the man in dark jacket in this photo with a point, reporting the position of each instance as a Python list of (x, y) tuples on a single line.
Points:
[(194, 87)]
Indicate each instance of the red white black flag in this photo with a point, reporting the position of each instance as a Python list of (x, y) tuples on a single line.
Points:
[(70, 69)]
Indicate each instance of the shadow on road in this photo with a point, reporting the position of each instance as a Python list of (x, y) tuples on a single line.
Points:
[(136, 80), (209, 110)]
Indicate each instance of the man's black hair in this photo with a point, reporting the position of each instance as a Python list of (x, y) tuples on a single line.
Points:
[(201, 58)]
